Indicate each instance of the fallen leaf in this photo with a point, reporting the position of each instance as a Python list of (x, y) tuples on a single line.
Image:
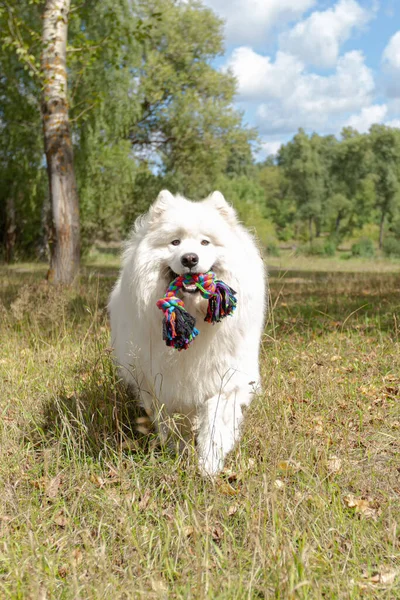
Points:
[(384, 576), (230, 475), (77, 555), (53, 486), (40, 484), (217, 533), (160, 588), (279, 484), (97, 480), (318, 429), (373, 579), (188, 531), (289, 466), (60, 519), (112, 473), (388, 576), (391, 378), (5, 519), (63, 571), (169, 514), (228, 489), (335, 357), (144, 500), (334, 464), (232, 510), (365, 506)]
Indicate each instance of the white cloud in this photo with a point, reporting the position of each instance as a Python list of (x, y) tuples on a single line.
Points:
[(268, 148), (281, 93), (393, 123), (368, 116), (317, 39), (391, 66), (391, 54), (248, 21), (394, 107), (258, 77), (290, 97)]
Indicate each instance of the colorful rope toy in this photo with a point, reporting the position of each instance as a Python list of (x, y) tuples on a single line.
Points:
[(178, 325)]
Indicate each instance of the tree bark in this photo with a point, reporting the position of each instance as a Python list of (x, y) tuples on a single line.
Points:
[(338, 221), (65, 249), (46, 230)]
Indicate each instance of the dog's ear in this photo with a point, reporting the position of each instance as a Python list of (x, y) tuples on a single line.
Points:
[(217, 201), (163, 201)]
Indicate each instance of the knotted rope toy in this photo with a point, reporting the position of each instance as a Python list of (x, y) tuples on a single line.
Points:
[(178, 325)]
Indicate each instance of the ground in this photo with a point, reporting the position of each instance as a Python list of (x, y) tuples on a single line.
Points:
[(309, 504)]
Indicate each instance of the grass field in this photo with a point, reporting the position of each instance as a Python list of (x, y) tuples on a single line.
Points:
[(309, 504)]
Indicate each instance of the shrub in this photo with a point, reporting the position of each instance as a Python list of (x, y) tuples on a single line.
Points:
[(368, 230), (329, 248), (391, 247), (272, 249), (319, 248), (363, 248)]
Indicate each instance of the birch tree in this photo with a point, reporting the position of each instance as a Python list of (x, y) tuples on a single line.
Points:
[(147, 109), (65, 238)]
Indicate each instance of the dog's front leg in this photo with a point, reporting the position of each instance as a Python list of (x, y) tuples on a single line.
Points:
[(219, 428)]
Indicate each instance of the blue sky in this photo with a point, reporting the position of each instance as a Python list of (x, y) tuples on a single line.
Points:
[(316, 64)]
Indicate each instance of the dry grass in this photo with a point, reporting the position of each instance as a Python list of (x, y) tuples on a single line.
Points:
[(339, 263), (308, 506)]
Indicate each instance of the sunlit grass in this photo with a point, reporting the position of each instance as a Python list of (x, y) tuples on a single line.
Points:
[(308, 506), (340, 263)]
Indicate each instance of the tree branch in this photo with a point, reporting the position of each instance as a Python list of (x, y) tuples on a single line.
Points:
[(85, 110), (18, 42)]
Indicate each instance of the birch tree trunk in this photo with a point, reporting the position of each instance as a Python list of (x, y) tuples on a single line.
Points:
[(65, 247)]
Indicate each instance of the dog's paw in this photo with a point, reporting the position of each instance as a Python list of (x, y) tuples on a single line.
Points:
[(211, 464)]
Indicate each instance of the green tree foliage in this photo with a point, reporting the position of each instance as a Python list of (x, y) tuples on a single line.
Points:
[(279, 201), (352, 184), (148, 109), (23, 187), (147, 106), (385, 145), (304, 168), (324, 185)]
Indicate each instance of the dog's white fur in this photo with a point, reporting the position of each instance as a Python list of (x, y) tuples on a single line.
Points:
[(209, 383)]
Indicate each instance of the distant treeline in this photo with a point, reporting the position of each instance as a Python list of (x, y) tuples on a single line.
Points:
[(322, 185), (150, 110)]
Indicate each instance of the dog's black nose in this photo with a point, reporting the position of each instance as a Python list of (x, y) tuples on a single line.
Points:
[(189, 260)]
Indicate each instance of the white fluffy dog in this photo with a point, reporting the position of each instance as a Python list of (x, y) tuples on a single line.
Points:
[(210, 383)]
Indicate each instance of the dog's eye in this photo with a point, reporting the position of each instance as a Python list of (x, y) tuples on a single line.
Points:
[(204, 242), (176, 242)]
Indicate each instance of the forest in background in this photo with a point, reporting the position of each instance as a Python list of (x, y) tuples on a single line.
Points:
[(149, 110)]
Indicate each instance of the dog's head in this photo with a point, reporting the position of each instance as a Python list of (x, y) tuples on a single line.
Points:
[(190, 237)]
